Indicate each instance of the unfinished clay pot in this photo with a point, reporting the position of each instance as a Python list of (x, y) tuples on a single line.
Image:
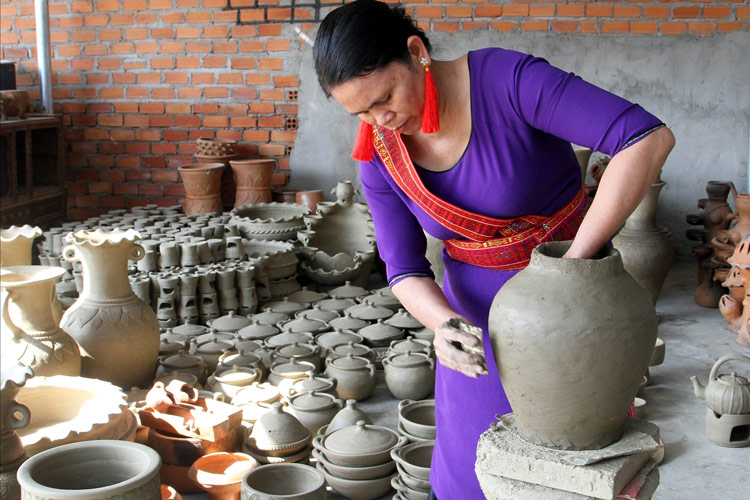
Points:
[(15, 245), (329, 340), (315, 312), (311, 383), (355, 376), (220, 474), (117, 332), (348, 416), (409, 375), (314, 409), (182, 362), (253, 180), (362, 489), (229, 381), (310, 199), (281, 259), (348, 291), (355, 473), (415, 458), (418, 417), (269, 221), (571, 382), (359, 445), (286, 481), (379, 334), (202, 182), (278, 433)]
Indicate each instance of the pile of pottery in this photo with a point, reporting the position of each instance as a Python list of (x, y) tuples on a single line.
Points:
[(735, 306), (413, 464), (278, 437), (357, 460), (339, 242), (416, 420)]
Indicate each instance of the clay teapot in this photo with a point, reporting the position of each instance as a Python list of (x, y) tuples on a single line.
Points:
[(725, 394)]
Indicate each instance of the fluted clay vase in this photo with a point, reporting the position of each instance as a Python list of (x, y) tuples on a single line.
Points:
[(572, 339), (30, 322), (15, 245), (202, 183), (117, 332), (253, 181), (646, 249)]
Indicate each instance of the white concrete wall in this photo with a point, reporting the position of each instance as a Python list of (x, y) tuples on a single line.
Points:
[(699, 86)]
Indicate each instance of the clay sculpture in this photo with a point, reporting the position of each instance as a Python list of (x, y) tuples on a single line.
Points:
[(735, 310)]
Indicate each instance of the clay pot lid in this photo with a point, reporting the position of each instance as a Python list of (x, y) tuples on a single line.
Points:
[(312, 383), (300, 325), (247, 345), (317, 313), (293, 367), (284, 306), (287, 338), (350, 362), (270, 317), (230, 322), (381, 300), (410, 344), (278, 428), (732, 379), (348, 416), (167, 346), (168, 334), (313, 401), (213, 346), (408, 359), (348, 291), (424, 334), (337, 305), (296, 349), (259, 331), (238, 375), (369, 312), (190, 330), (360, 439), (306, 296), (381, 331), (215, 336), (402, 319), (353, 348), (181, 360), (348, 322), (240, 358), (337, 337), (386, 290), (257, 393)]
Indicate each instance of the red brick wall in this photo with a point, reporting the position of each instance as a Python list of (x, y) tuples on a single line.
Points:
[(138, 81)]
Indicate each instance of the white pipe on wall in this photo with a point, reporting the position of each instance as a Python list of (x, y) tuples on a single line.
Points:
[(44, 67)]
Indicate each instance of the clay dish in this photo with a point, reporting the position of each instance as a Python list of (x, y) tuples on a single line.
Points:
[(409, 493), (360, 445), (358, 473), (289, 338), (380, 334), (411, 481), (284, 482), (299, 351), (367, 489), (359, 350), (190, 330), (270, 221), (418, 417), (329, 340), (220, 474), (411, 344), (415, 458)]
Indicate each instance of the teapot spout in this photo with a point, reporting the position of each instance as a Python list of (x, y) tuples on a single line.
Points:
[(698, 388)]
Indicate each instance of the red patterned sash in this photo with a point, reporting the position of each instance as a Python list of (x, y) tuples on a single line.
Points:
[(503, 244)]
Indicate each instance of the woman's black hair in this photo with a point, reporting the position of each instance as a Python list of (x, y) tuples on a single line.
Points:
[(359, 38)]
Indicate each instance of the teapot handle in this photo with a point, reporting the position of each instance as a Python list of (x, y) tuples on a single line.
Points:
[(724, 359)]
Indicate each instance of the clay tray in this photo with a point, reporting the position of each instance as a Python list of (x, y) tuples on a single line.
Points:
[(214, 420)]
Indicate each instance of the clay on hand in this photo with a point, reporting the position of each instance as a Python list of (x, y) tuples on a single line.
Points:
[(459, 347)]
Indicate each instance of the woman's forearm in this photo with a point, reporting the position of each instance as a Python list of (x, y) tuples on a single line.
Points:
[(424, 299), (625, 182)]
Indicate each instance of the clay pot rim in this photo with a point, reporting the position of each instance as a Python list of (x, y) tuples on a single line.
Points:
[(315, 482), (102, 237), (296, 212), (309, 367), (193, 167), (252, 161), (29, 275), (407, 406), (216, 158), (411, 437), (14, 232)]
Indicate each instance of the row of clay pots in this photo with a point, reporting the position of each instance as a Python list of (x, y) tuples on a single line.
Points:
[(413, 465)]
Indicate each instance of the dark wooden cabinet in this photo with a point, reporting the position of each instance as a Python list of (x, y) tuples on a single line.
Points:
[(32, 177)]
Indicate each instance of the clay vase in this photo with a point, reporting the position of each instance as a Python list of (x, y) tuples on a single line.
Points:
[(310, 199), (202, 182), (253, 181), (117, 332), (571, 377), (15, 245), (30, 323), (646, 249), (227, 188)]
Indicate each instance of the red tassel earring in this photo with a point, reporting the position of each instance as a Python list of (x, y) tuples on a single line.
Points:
[(431, 114), (363, 145)]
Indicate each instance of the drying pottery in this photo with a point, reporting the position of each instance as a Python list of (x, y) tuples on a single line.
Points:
[(310, 199), (329, 340), (313, 326), (342, 350), (411, 481), (347, 322), (220, 474), (366, 489), (356, 473), (409, 493), (337, 305), (307, 297), (269, 221), (423, 334), (283, 375), (402, 319), (288, 338), (300, 352), (13, 416), (284, 482), (410, 437), (369, 312), (278, 433), (190, 331), (211, 350), (348, 291), (409, 375), (314, 409), (253, 181), (315, 312), (284, 306), (415, 458), (183, 451), (355, 376), (167, 346), (182, 362), (245, 359), (229, 381), (581, 403), (411, 344), (418, 417), (15, 245), (348, 416), (386, 301), (646, 249), (184, 378), (281, 259), (72, 409), (359, 445), (231, 322), (261, 331), (30, 322), (379, 334), (257, 393), (313, 384), (117, 332), (92, 470), (302, 457), (202, 182), (328, 270)]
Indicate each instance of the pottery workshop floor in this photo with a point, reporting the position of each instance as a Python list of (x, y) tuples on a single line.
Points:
[(694, 468)]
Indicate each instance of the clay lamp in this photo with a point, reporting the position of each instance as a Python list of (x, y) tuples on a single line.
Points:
[(369, 312), (317, 313), (402, 319), (277, 433), (306, 296), (348, 291), (329, 340), (231, 323), (220, 474), (261, 331), (380, 334), (359, 445), (348, 322), (314, 326)]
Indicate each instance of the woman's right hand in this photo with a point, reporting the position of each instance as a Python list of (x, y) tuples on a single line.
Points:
[(448, 347)]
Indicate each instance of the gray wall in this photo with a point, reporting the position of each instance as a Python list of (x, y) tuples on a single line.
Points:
[(699, 86)]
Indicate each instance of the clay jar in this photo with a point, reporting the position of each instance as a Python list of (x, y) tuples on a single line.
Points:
[(571, 378), (355, 376), (314, 409), (202, 182), (409, 375), (182, 362), (253, 180)]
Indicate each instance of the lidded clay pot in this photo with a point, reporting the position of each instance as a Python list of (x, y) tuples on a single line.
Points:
[(355, 376), (186, 378), (257, 393), (424, 334), (359, 445), (220, 474), (168, 347), (402, 319), (411, 344), (211, 351), (284, 306), (288, 338), (385, 301), (409, 375), (571, 382), (334, 304), (278, 433), (289, 372), (247, 359), (230, 323), (314, 409), (347, 416), (369, 312), (380, 334), (300, 352), (348, 291), (213, 335), (726, 394), (328, 340), (348, 322), (315, 312), (299, 325), (258, 331), (184, 363), (360, 350), (306, 297), (229, 381), (190, 331), (313, 384), (270, 317)]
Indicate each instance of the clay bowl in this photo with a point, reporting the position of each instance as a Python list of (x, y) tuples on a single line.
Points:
[(409, 493), (284, 482), (418, 417), (415, 458), (412, 482), (358, 473), (355, 459), (220, 474), (363, 489), (411, 438)]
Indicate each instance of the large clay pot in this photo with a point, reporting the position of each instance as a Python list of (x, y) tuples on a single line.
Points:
[(117, 332), (572, 339), (227, 189), (30, 321), (253, 180), (646, 249), (202, 183), (15, 245), (92, 470)]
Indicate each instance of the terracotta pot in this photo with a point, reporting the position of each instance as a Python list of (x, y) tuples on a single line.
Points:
[(15, 245), (202, 182), (227, 178), (253, 180), (117, 332), (184, 451), (284, 482), (220, 474), (284, 195), (103, 469), (310, 199), (570, 382)]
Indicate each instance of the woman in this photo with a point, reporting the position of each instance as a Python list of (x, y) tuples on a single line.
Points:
[(465, 161)]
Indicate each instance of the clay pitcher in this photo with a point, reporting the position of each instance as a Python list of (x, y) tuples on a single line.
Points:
[(30, 323), (572, 339), (253, 180), (15, 245), (202, 183), (117, 332), (646, 249)]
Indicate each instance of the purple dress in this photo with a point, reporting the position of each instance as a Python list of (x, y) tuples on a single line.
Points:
[(519, 161)]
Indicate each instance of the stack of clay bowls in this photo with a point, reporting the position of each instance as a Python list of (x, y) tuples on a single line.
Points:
[(413, 465), (278, 437), (416, 420), (284, 482), (356, 460)]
